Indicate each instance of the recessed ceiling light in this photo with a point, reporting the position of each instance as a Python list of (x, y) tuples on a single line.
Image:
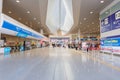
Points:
[(34, 18), (17, 1), (9, 12), (85, 18), (92, 22), (102, 1), (28, 12), (91, 12), (106, 12)]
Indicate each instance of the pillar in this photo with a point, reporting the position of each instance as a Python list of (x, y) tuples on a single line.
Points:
[(1, 6), (79, 34), (41, 31)]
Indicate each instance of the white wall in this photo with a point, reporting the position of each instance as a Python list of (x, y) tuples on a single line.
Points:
[(1, 6)]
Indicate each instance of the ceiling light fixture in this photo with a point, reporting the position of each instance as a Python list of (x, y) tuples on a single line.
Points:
[(106, 12), (102, 1), (91, 12), (92, 22), (17, 1), (85, 18), (28, 12), (9, 12), (34, 18)]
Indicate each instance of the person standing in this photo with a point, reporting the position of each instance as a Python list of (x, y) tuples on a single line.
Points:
[(76, 46)]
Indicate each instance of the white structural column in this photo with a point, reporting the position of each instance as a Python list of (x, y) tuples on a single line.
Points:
[(1, 6), (41, 31), (79, 34)]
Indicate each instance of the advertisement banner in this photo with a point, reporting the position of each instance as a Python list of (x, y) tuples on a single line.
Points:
[(111, 42), (22, 35), (106, 24), (115, 20), (21, 32), (111, 22), (111, 45)]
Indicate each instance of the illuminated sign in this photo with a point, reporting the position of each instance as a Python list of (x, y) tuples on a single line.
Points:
[(21, 32), (111, 22)]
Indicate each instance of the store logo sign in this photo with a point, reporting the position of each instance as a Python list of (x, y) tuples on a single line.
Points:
[(22, 35), (117, 15), (18, 29), (106, 21)]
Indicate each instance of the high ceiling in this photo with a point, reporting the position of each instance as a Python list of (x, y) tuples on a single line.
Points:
[(29, 12), (33, 14), (87, 19)]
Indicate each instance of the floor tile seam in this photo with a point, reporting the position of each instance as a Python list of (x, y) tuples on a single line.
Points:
[(99, 60)]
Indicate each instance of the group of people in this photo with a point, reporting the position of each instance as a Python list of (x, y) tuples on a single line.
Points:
[(58, 45), (88, 46), (75, 45)]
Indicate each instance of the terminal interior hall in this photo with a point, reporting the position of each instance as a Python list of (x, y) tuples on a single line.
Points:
[(59, 39)]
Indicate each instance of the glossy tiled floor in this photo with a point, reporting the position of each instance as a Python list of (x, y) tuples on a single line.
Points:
[(54, 64)]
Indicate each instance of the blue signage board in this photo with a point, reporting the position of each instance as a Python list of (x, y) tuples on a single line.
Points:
[(21, 35), (21, 32), (111, 22), (116, 42), (106, 24), (111, 42), (106, 42), (115, 20)]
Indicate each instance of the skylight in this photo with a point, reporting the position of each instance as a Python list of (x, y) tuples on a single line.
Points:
[(59, 15)]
